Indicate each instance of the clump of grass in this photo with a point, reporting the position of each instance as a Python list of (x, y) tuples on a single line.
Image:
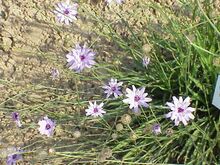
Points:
[(182, 55)]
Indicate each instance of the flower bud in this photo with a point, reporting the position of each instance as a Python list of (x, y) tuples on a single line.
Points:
[(169, 131), (51, 151), (77, 134), (147, 48), (133, 136), (119, 127), (126, 119), (114, 136)]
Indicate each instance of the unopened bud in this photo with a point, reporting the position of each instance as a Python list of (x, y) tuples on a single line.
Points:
[(126, 119), (119, 127)]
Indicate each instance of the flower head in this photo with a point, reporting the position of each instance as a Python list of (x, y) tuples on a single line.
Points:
[(54, 73), (180, 110), (12, 158), (146, 61), (16, 118), (156, 129), (80, 58), (113, 88), (66, 12), (119, 1), (47, 126), (136, 98), (116, 1), (95, 110)]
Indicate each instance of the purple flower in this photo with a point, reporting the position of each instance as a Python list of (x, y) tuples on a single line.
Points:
[(12, 158), (66, 12), (54, 73), (156, 129), (16, 118), (95, 110), (116, 1), (113, 88), (180, 110), (80, 58), (136, 98), (146, 61), (47, 126)]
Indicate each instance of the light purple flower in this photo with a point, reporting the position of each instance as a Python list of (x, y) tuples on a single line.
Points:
[(156, 129), (12, 158), (119, 1), (95, 110), (136, 98), (113, 88), (116, 1), (80, 58), (66, 12), (54, 73), (146, 61), (47, 126), (16, 118), (180, 110)]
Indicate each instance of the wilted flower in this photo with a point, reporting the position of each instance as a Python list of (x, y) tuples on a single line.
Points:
[(180, 110), (156, 129), (114, 136), (16, 117), (146, 61), (77, 134), (133, 136), (147, 129), (59, 130), (66, 12), (12, 158), (42, 154), (113, 87), (126, 119), (136, 98), (80, 58), (216, 61), (95, 110), (119, 127), (54, 73), (51, 151), (169, 131), (116, 1), (47, 126), (147, 48), (104, 154)]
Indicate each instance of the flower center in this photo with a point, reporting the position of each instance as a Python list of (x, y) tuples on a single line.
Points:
[(15, 116), (48, 126), (113, 88), (95, 110), (66, 12), (82, 57), (137, 98), (180, 110), (14, 156)]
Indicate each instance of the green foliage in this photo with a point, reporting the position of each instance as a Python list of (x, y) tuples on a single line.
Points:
[(182, 58)]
